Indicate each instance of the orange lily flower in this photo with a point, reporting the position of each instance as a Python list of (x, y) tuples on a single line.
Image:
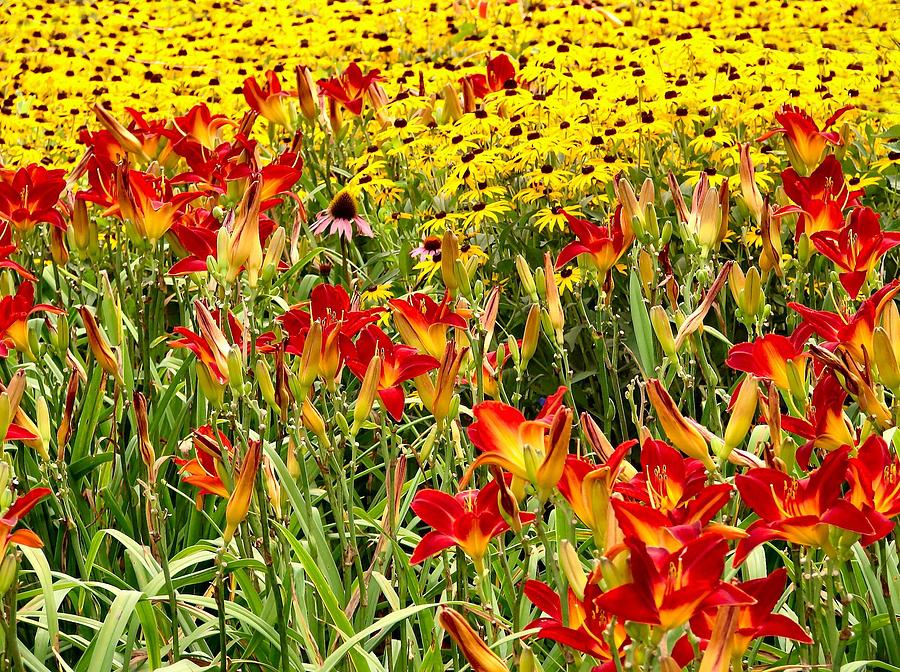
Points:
[(532, 450), (270, 102), (18, 510), (423, 323), (820, 199), (803, 140), (15, 312), (239, 500), (201, 126), (349, 88), (149, 205), (204, 470), (682, 432), (770, 358)]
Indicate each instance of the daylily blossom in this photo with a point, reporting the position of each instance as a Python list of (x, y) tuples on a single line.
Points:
[(469, 519), (603, 245), (533, 451), (15, 312), (204, 471), (856, 248), (500, 75), (669, 588), (200, 125), (826, 426), (754, 620), (149, 205), (398, 363), (802, 511), (874, 478), (588, 488), (684, 433), (270, 102), (587, 626), (14, 514), (339, 318), (706, 223), (28, 196), (803, 140), (349, 88), (855, 331), (821, 198), (424, 323), (771, 357)]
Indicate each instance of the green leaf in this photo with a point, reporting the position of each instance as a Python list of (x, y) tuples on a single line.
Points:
[(643, 331)]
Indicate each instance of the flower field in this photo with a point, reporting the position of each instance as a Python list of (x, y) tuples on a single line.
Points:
[(491, 335)]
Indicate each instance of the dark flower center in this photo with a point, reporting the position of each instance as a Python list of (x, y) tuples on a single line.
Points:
[(432, 244), (343, 206)]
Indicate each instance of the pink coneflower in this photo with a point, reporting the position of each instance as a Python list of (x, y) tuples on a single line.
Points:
[(340, 216), (429, 248)]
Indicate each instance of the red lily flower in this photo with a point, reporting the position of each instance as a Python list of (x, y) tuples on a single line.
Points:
[(874, 478), (214, 170), (279, 177), (146, 140), (341, 320), (767, 357), (854, 332), (202, 471), (525, 448), (398, 363), (825, 426), (470, 519), (15, 310), (603, 245), (200, 125), (270, 102), (587, 625), (755, 620), (821, 198), (349, 88), (7, 247), (801, 511), (669, 588), (18, 510), (423, 323), (670, 493), (102, 186), (804, 142), (501, 74), (28, 196), (148, 203), (856, 248)]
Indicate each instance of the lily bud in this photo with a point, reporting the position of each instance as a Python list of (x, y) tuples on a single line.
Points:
[(244, 249), (148, 454), (554, 305), (313, 421), (572, 569), (99, 344), (526, 278), (274, 251), (480, 657), (452, 104), (743, 413), (43, 426), (449, 257), (236, 369), (683, 435), (367, 393), (749, 190), (446, 381), (551, 468), (58, 249), (311, 356), (64, 430), (532, 334), (885, 356), (239, 501), (266, 387), (293, 462), (307, 93), (9, 568), (126, 139), (506, 501), (663, 330)]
